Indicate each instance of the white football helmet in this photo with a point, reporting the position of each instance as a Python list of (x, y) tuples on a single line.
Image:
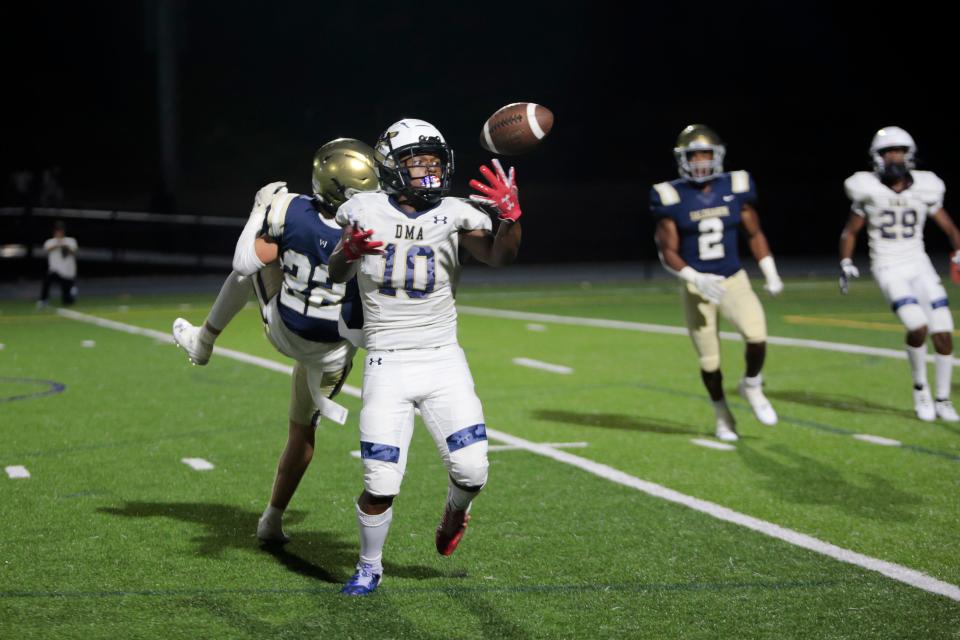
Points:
[(412, 137), (892, 137)]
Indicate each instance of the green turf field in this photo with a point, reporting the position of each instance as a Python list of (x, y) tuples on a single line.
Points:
[(113, 536)]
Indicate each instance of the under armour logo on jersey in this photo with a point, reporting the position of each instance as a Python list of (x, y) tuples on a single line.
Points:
[(727, 198), (439, 219), (376, 360)]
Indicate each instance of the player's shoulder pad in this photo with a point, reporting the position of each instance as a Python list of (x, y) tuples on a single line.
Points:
[(468, 214), (277, 211), (740, 181), (928, 182), (470, 203), (667, 193), (860, 185), (352, 210)]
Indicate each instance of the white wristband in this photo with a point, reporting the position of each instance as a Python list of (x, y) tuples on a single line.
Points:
[(688, 273), (846, 262), (769, 268)]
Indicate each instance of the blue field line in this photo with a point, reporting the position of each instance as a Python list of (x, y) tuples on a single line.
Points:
[(53, 388), (533, 588)]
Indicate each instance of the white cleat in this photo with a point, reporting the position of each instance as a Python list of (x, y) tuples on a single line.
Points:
[(945, 411), (726, 427), (187, 338), (923, 405), (271, 531), (762, 408)]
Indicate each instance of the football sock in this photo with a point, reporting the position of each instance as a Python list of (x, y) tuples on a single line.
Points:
[(755, 381), (943, 365), (373, 535), (272, 515), (720, 406), (460, 499), (232, 298), (917, 356)]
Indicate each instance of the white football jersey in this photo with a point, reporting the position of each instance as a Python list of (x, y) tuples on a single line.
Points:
[(408, 292), (895, 220)]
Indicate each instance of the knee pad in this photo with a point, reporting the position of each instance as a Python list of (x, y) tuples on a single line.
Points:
[(710, 363), (381, 478), (469, 465), (912, 316), (941, 320)]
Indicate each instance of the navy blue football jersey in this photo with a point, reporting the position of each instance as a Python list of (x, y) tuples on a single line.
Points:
[(309, 303), (707, 222)]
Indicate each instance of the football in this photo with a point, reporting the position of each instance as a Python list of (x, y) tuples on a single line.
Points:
[(516, 128)]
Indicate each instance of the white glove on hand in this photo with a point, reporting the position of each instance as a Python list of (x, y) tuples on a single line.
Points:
[(265, 196), (773, 285), (710, 285), (848, 271)]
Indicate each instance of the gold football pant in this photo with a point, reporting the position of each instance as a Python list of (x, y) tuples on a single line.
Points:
[(739, 305)]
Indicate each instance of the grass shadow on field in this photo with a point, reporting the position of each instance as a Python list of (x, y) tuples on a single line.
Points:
[(320, 555), (840, 402), (617, 421), (805, 480)]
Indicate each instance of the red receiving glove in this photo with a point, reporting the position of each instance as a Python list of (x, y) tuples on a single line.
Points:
[(501, 193), (356, 243)]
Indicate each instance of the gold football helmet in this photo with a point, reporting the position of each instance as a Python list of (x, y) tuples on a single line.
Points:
[(341, 168), (699, 137)]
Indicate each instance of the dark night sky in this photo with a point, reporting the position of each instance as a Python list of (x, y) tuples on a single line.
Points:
[(796, 91)]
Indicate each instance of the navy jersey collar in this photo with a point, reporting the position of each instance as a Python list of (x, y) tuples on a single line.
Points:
[(415, 214)]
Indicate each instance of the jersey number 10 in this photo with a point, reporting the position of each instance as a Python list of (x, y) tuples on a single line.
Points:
[(409, 271)]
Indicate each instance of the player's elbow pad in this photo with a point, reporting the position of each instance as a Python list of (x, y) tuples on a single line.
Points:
[(245, 260)]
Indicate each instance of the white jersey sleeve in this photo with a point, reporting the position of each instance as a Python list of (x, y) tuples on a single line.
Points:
[(858, 188), (930, 189), (470, 217)]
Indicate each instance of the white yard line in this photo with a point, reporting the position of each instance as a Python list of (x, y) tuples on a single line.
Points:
[(17, 471), (891, 570), (713, 444), (644, 327), (555, 445), (886, 442), (543, 366), (197, 464)]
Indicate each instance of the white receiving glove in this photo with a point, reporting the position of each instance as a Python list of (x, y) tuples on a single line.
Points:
[(708, 284), (265, 196), (848, 271), (773, 285)]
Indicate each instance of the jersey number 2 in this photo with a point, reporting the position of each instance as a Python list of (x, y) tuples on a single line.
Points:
[(414, 252), (710, 241)]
